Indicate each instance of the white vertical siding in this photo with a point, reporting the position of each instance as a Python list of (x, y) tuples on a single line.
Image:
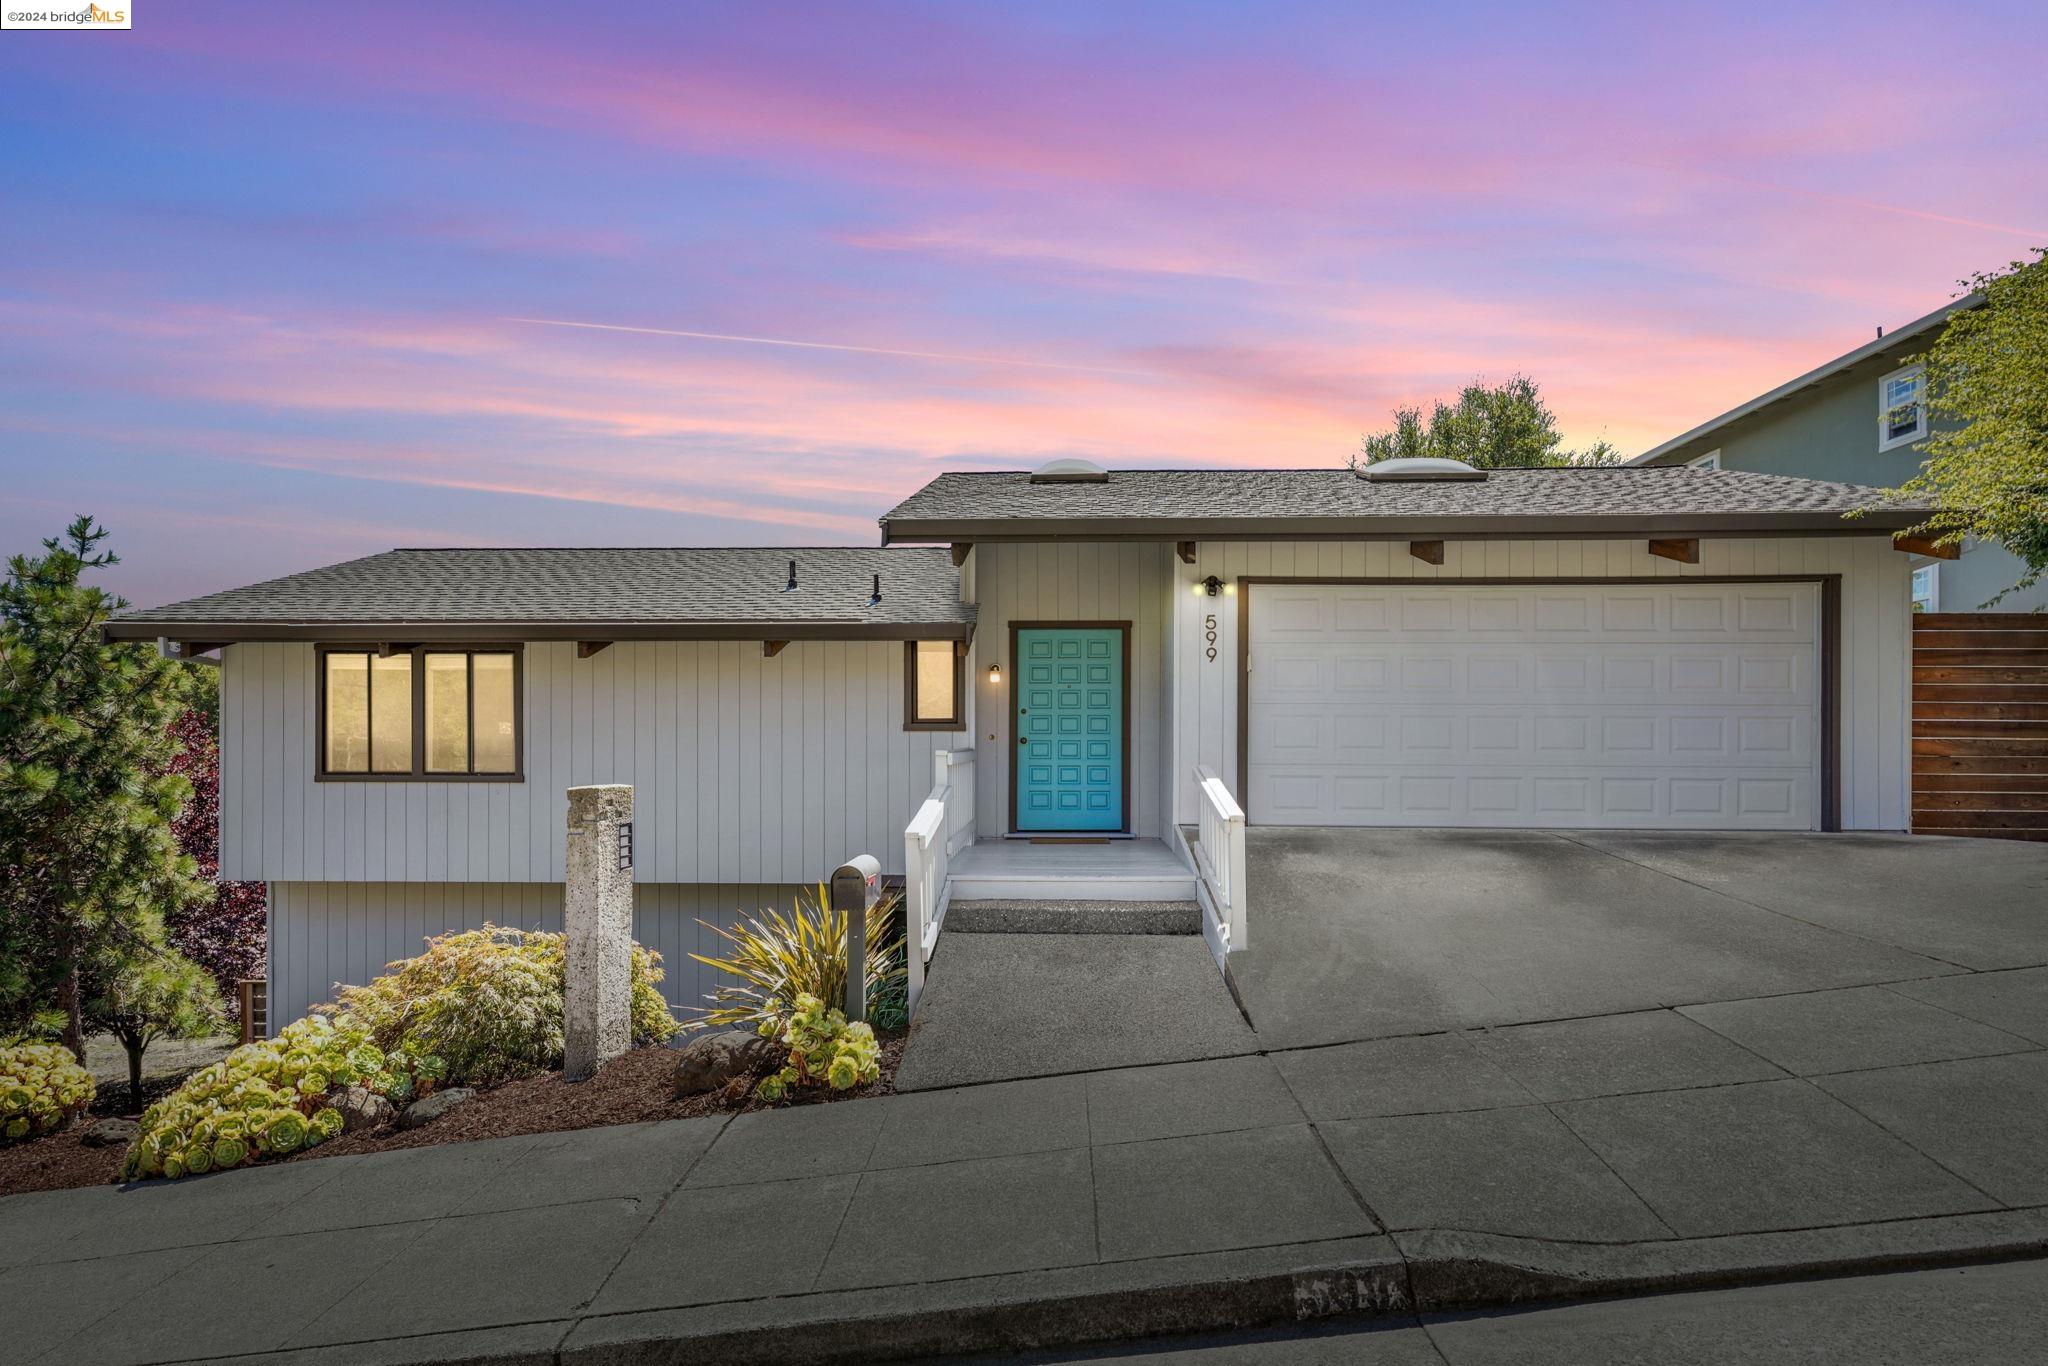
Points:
[(326, 933), (1073, 581), (746, 770), (1873, 706)]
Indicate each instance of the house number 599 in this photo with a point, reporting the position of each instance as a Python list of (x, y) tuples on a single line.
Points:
[(1209, 634)]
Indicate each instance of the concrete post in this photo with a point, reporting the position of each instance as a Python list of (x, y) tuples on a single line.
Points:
[(597, 913), (856, 886)]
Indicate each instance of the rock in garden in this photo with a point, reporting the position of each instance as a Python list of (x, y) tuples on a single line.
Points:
[(109, 1133), (362, 1108), (709, 1061), (432, 1107)]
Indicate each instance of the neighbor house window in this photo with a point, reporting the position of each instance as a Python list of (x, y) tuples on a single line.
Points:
[(1710, 461), (423, 713), (932, 684), (1901, 408), (1927, 588)]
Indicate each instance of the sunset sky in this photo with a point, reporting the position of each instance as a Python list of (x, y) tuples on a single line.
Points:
[(285, 283)]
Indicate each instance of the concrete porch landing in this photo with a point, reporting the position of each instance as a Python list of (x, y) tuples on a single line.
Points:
[(1115, 870)]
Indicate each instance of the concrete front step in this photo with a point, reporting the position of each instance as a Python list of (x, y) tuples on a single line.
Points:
[(1026, 916)]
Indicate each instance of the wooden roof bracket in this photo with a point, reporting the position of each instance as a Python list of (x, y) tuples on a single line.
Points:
[(1429, 552), (1932, 547), (1685, 549)]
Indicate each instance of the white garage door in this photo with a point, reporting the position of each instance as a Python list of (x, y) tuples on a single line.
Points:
[(1689, 706)]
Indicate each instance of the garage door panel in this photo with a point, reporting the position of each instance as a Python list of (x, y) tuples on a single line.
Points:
[(1688, 705), (1567, 799), (1603, 673)]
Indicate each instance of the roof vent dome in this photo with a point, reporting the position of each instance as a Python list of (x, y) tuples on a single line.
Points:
[(1070, 471), (1418, 469)]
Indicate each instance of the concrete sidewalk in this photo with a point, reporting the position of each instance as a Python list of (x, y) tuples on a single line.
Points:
[(1842, 1130)]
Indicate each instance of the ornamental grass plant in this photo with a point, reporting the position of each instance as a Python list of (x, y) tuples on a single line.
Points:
[(780, 957)]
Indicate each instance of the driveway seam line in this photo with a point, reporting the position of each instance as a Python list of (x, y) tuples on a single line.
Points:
[(1887, 1129), (725, 1122), (1759, 906), (1609, 1167)]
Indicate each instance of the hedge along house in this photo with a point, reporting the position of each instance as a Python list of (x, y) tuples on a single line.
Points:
[(1082, 694)]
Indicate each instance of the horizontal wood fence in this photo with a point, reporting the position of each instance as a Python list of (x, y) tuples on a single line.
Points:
[(1980, 724)]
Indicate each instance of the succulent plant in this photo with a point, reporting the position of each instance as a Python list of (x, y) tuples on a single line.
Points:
[(42, 1088)]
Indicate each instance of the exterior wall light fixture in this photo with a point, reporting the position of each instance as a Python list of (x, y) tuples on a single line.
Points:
[(1211, 585), (995, 673)]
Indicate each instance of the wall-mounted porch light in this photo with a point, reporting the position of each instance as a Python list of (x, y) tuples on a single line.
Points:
[(995, 673), (1210, 586)]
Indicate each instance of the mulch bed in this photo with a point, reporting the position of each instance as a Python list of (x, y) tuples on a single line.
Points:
[(631, 1089)]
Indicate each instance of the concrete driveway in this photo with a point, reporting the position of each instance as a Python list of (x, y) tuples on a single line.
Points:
[(1361, 934)]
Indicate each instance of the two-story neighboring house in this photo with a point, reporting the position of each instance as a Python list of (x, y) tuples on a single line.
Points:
[(1080, 687), (1858, 419)]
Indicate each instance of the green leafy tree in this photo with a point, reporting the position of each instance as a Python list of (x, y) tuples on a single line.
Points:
[(1491, 426), (88, 858), (141, 998), (1987, 393)]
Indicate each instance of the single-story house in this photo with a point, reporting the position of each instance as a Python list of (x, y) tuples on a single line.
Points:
[(1078, 687)]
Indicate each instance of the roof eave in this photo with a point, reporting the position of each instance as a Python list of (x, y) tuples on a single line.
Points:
[(456, 632), (1724, 524)]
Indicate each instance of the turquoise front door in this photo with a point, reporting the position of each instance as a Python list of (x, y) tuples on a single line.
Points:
[(1069, 698)]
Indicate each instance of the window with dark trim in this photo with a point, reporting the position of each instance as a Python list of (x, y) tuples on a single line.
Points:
[(435, 713), (934, 684)]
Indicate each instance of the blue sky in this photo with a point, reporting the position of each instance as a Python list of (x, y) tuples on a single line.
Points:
[(263, 268)]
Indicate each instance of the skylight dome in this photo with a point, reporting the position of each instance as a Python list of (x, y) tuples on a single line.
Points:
[(1418, 469), (1070, 470)]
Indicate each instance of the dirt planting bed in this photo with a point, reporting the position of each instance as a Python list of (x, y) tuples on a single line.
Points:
[(631, 1090)]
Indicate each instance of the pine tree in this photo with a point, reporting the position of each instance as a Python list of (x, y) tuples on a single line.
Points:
[(88, 858)]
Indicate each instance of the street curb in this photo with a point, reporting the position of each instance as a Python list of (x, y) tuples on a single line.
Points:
[(1454, 1270), (1428, 1271)]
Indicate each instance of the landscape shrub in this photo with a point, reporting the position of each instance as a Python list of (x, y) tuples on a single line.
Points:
[(779, 957), (824, 1050), (42, 1088), (488, 1003), (270, 1099)]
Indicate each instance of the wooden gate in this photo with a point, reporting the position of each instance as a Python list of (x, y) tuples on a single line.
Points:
[(1980, 724)]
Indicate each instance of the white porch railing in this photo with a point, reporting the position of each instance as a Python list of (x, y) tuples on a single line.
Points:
[(943, 826), (1219, 859)]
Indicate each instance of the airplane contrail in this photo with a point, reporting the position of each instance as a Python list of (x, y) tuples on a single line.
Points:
[(829, 346)]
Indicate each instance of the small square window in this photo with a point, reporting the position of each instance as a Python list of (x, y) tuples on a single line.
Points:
[(932, 684), (1901, 408), (1927, 588)]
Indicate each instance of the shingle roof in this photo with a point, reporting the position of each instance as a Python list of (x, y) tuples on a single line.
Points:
[(646, 591), (1218, 503)]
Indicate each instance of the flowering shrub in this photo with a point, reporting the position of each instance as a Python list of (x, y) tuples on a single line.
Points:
[(488, 1003), (823, 1050), (269, 1099), (42, 1088), (779, 957)]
